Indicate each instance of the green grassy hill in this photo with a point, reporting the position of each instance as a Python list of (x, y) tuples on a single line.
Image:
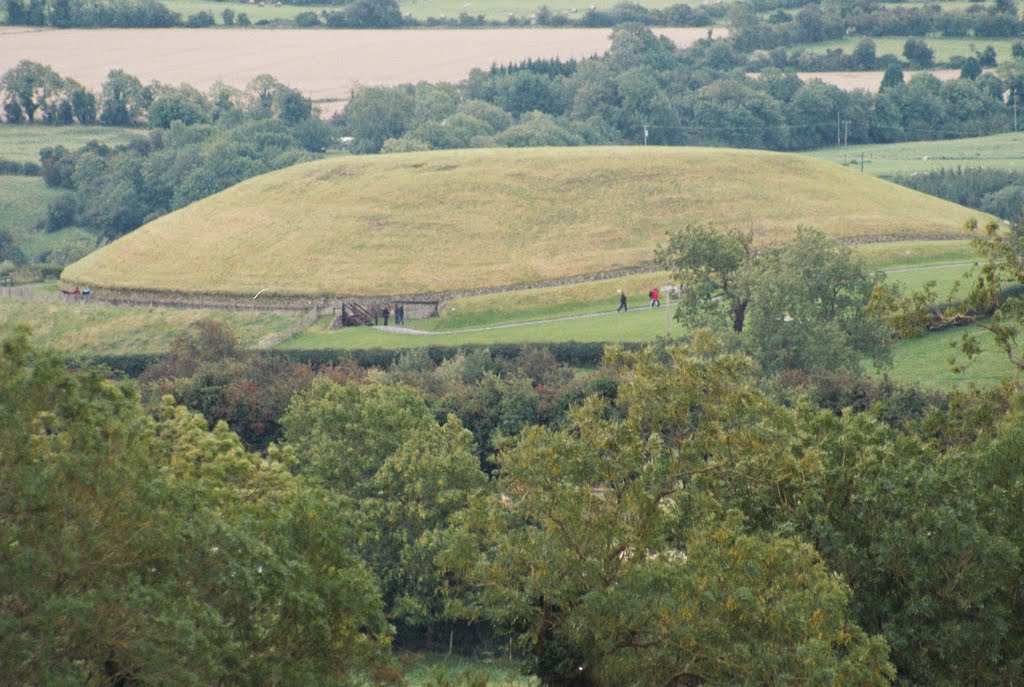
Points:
[(460, 220)]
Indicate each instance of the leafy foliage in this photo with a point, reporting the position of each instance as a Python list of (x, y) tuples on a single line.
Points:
[(150, 549), (804, 305), (607, 553)]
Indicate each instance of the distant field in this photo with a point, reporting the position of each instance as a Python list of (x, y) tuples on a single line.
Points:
[(22, 142), (324, 64), (493, 10), (869, 81), (944, 47), (457, 220), (23, 202), (1002, 151)]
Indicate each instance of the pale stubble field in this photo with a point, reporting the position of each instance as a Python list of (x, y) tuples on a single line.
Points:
[(323, 64)]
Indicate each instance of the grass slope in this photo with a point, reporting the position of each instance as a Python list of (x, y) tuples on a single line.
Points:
[(96, 329), (23, 202), (460, 220)]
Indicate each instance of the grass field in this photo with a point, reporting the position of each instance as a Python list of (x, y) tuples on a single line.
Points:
[(586, 312), (924, 361), (1002, 151), (944, 48), (22, 142), (95, 329), (450, 221), (23, 202)]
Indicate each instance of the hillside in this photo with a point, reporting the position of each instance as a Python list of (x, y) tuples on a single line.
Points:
[(459, 220)]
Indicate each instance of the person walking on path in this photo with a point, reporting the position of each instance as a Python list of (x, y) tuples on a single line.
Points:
[(399, 314), (622, 302), (655, 302), (386, 313)]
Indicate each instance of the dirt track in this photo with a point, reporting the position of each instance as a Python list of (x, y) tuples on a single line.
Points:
[(323, 64)]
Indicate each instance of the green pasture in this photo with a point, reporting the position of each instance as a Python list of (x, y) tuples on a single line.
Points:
[(907, 254), (23, 202), (1001, 151), (926, 361), (268, 11), (22, 142), (59, 247), (944, 48), (96, 329)]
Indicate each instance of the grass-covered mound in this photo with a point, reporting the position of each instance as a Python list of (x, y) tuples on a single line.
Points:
[(450, 221)]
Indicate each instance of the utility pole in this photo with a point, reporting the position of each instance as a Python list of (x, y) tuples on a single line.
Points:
[(838, 140), (1015, 111)]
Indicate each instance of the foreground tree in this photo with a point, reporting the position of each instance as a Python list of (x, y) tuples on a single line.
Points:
[(609, 555), (142, 550)]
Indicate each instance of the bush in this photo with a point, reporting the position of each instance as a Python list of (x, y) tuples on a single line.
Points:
[(15, 168), (61, 212), (918, 52), (199, 20)]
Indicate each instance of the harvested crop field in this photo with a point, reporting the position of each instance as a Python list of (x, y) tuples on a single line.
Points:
[(323, 64), (869, 81)]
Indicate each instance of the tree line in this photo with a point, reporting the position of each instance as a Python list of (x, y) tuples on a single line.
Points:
[(645, 91), (197, 143)]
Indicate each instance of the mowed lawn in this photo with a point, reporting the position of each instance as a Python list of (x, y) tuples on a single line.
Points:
[(450, 221)]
